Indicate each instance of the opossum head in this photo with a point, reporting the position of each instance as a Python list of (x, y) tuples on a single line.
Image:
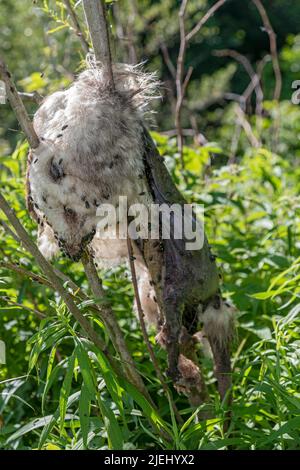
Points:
[(60, 201)]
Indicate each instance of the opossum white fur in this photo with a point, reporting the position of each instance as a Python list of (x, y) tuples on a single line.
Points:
[(218, 323), (91, 152)]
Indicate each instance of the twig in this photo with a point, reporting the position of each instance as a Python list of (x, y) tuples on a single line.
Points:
[(242, 100), (34, 96), (144, 332), (39, 314), (18, 106), (76, 26), (204, 19), (247, 127), (132, 54), (108, 317), (179, 79), (96, 19), (273, 48), (43, 281), (181, 83), (23, 272), (9, 231), (167, 59), (255, 80)]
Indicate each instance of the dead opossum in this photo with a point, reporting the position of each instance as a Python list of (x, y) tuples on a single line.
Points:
[(94, 147)]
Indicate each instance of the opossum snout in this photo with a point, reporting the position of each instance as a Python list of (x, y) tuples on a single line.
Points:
[(74, 250)]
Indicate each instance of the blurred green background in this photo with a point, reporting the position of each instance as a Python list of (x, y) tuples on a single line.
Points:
[(245, 171), (44, 55)]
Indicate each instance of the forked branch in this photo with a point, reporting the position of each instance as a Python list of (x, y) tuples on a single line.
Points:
[(76, 26), (181, 81), (95, 15), (273, 48)]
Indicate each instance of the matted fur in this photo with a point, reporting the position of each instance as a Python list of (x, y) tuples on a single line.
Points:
[(218, 323), (90, 153)]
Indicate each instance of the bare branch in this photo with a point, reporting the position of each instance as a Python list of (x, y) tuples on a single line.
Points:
[(76, 26), (204, 19), (179, 79), (43, 281), (167, 59), (9, 231), (36, 312), (247, 127), (18, 106), (34, 96), (23, 272), (255, 80), (96, 20), (273, 48), (181, 84)]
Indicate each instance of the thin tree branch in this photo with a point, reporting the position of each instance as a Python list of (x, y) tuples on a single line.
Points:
[(39, 314), (9, 231), (204, 19), (41, 280), (76, 26), (167, 59), (34, 96), (242, 100), (95, 309), (95, 14), (181, 84), (255, 80), (18, 106), (273, 48), (27, 274), (247, 127), (179, 79)]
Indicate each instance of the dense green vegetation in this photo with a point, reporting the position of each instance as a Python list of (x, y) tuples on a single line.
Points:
[(57, 391)]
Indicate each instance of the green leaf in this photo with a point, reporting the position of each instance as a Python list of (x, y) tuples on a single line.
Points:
[(84, 413), (86, 368), (65, 390)]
